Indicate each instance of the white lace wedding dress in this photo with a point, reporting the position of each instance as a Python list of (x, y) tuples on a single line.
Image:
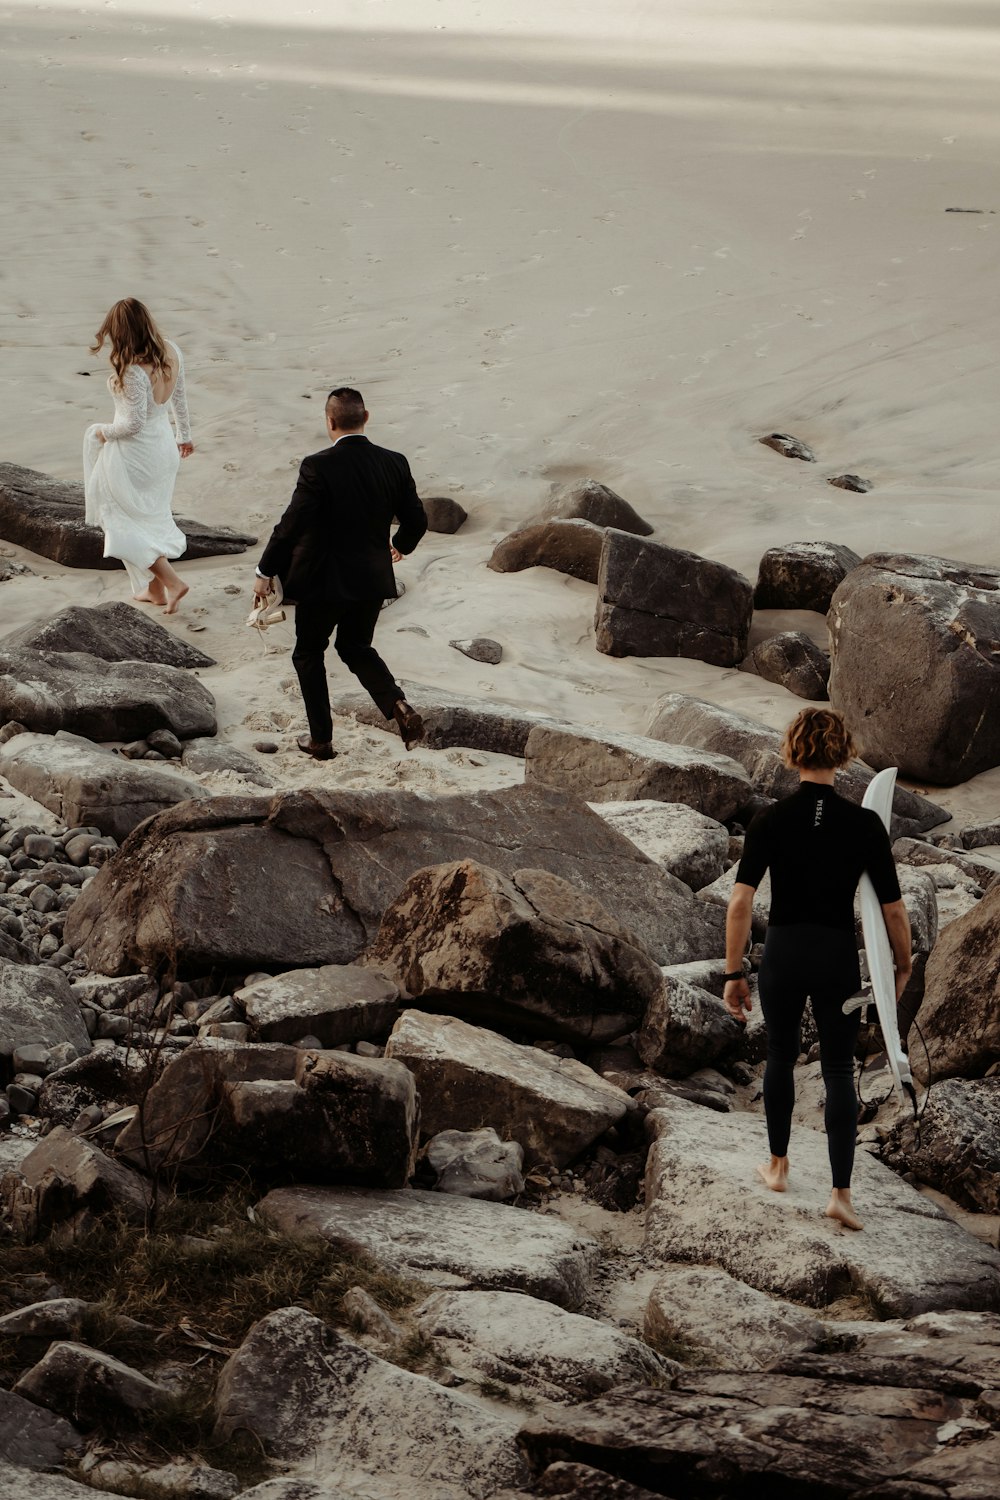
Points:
[(129, 479)]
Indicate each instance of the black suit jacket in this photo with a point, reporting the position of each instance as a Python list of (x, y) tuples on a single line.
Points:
[(332, 543)]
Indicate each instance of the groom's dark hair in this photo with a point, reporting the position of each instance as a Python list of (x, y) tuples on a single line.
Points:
[(346, 408)]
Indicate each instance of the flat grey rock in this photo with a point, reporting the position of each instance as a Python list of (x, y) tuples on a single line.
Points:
[(33, 1438), (729, 1324), (122, 700), (37, 1004), (335, 1003), (446, 1241), (210, 756), (682, 841), (116, 631)]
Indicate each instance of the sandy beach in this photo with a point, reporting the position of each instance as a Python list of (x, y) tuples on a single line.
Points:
[(548, 243)]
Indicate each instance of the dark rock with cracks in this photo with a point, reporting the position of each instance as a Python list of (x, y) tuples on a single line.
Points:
[(51, 690), (957, 1149), (915, 664), (90, 1387), (570, 546), (88, 785), (116, 631), (589, 500), (529, 950), (32, 1437), (685, 1028), (444, 1241), (802, 575), (46, 516), (679, 719), (793, 661), (190, 885), (37, 1004), (276, 1113), (107, 1076), (553, 1107), (63, 1175), (654, 600), (960, 1014), (585, 1483), (853, 482), (921, 854)]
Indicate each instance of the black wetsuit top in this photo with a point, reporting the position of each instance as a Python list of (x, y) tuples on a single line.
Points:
[(817, 845)]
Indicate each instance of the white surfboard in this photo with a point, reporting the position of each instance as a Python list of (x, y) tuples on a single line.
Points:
[(878, 798)]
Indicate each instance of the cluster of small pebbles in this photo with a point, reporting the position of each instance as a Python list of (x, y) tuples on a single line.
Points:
[(162, 744), (41, 875)]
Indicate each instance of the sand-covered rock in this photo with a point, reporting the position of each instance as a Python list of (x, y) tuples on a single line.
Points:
[(114, 631), (325, 865), (571, 546), (46, 516), (87, 785), (533, 1346), (210, 756), (311, 1395), (793, 661), (607, 766), (335, 1003), (530, 950), (554, 1107), (682, 841), (703, 1310), (122, 700), (449, 1242), (705, 1204), (272, 1112), (654, 600), (928, 699), (589, 500), (960, 1014), (802, 575)]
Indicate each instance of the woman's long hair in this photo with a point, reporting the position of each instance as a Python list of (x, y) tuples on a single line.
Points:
[(817, 739), (134, 338)]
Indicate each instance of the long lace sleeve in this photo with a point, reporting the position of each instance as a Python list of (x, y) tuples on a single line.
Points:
[(178, 401), (130, 406)]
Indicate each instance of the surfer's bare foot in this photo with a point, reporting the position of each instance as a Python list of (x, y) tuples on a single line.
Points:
[(841, 1208), (774, 1174), (174, 597)]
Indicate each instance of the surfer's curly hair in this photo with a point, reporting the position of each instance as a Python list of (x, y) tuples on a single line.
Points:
[(817, 739)]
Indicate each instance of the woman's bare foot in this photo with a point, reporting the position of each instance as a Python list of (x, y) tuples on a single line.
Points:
[(774, 1174), (153, 595), (841, 1209), (174, 597)]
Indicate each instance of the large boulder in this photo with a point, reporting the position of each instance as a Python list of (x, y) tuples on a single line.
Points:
[(553, 1106), (793, 661), (37, 1004), (679, 719), (336, 1004), (654, 600), (957, 1145), (88, 786), (530, 950), (191, 884), (589, 500), (308, 1393), (274, 1113), (802, 575), (706, 1205), (684, 1028), (116, 631), (960, 1014), (449, 1242), (606, 766), (46, 516), (915, 664), (681, 841), (533, 1346), (572, 547), (90, 1387), (124, 700), (703, 1311)]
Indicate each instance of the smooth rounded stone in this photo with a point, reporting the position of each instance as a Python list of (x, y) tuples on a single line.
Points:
[(537, 1348), (789, 447), (209, 757), (154, 755), (935, 621), (89, 1385), (654, 600), (62, 1318), (5, 1112), (480, 649), (88, 1119), (704, 1309), (58, 875), (554, 1107), (589, 500), (850, 482), (793, 661), (21, 1100), (166, 743), (334, 1003), (135, 750), (40, 846), (705, 1203), (447, 1241), (43, 898), (114, 1027), (311, 1395), (78, 848), (32, 1058), (444, 514), (567, 546), (957, 1148), (48, 947), (476, 1164), (684, 1028), (33, 1438), (802, 575), (265, 747), (682, 841)]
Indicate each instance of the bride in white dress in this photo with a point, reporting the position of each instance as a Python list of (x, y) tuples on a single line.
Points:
[(130, 464)]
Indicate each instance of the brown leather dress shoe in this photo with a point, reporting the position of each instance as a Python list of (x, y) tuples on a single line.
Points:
[(317, 751), (411, 725)]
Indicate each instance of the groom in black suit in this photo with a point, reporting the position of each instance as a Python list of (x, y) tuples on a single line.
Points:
[(332, 552)]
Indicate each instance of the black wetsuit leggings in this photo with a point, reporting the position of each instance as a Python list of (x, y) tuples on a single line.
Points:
[(821, 964)]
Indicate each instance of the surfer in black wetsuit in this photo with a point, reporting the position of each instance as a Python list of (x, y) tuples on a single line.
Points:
[(816, 845)]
